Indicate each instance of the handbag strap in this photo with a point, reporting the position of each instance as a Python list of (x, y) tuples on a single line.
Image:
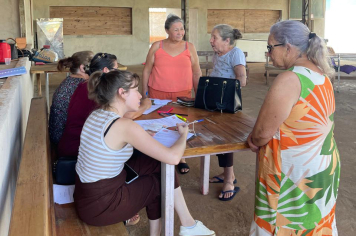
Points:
[(221, 98), (222, 94), (206, 85), (13, 40)]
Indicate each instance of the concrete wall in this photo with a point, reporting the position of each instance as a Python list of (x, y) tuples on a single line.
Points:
[(15, 99), (130, 49), (133, 49), (10, 19), (254, 48)]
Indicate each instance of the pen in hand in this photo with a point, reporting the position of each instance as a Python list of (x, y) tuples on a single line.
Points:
[(196, 121)]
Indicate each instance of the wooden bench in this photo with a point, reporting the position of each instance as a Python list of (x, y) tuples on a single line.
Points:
[(34, 212), (208, 64)]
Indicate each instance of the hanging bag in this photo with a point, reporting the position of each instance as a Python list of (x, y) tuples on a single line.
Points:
[(13, 46), (219, 94)]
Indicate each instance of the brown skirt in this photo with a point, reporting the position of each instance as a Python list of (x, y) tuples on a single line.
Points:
[(110, 201)]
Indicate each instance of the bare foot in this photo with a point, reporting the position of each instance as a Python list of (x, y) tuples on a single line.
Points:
[(227, 186), (133, 220), (184, 170), (214, 180)]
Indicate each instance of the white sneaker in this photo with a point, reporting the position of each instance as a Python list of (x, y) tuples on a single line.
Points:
[(199, 229)]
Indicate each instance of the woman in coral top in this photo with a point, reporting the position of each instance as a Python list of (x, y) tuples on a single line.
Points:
[(172, 68)]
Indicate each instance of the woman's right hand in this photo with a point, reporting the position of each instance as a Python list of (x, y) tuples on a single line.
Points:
[(183, 129)]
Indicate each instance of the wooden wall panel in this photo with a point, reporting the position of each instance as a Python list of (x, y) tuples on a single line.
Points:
[(233, 17), (247, 21), (94, 20), (260, 21)]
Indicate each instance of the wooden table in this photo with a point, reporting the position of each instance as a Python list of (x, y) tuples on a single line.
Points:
[(51, 68), (218, 133)]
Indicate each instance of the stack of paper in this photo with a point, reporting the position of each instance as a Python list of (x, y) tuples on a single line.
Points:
[(160, 101), (63, 194), (154, 123), (156, 103), (169, 137)]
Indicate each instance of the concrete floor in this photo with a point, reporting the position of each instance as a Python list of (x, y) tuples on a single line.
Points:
[(234, 217)]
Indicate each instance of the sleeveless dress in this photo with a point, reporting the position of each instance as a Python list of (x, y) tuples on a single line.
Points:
[(299, 169)]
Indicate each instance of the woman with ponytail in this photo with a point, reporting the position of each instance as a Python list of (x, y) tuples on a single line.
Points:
[(229, 62), (81, 106), (298, 159), (110, 145), (77, 64)]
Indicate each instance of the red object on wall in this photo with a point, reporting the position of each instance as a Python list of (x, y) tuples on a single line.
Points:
[(5, 51)]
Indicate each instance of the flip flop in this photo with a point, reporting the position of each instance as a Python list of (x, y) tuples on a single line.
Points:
[(183, 166), (220, 180), (236, 189)]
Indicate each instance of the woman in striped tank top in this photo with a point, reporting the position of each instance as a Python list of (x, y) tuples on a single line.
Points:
[(107, 142)]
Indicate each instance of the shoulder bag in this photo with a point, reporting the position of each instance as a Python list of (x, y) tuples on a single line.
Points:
[(219, 94)]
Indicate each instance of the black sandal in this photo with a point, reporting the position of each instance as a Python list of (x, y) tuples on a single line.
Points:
[(183, 166)]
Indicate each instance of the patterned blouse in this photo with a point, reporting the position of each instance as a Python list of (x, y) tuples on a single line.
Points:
[(59, 107)]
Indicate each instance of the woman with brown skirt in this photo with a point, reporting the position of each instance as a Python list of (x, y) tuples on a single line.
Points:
[(111, 147)]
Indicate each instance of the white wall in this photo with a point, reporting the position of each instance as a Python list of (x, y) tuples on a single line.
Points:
[(15, 99)]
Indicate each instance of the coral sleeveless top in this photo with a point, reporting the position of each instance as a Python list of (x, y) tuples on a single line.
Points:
[(171, 74)]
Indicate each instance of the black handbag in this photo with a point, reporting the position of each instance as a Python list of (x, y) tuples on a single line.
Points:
[(64, 170), (215, 93)]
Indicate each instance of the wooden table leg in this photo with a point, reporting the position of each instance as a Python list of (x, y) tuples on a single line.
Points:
[(204, 174), (167, 191), (39, 89), (47, 89)]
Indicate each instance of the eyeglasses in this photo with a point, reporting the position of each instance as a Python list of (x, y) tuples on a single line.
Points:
[(269, 47)]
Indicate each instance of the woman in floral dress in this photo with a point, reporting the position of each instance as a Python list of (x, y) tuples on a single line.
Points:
[(299, 163)]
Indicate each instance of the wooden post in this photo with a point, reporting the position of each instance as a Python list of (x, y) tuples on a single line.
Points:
[(185, 18), (310, 15)]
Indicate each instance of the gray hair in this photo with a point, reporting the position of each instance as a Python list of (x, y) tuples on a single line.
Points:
[(171, 19), (226, 31), (298, 35)]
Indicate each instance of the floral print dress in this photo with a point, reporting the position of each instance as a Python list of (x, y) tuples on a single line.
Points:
[(299, 169), (59, 108)]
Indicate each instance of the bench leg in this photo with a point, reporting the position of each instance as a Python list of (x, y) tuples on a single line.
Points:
[(167, 194), (267, 76), (204, 174), (38, 80)]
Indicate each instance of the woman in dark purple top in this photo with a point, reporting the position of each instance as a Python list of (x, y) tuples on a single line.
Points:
[(81, 106), (61, 97)]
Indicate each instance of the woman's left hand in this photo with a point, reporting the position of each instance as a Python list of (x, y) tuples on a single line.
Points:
[(253, 147)]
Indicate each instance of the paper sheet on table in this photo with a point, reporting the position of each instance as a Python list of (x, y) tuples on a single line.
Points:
[(63, 194), (168, 137), (152, 108), (153, 124), (160, 101)]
